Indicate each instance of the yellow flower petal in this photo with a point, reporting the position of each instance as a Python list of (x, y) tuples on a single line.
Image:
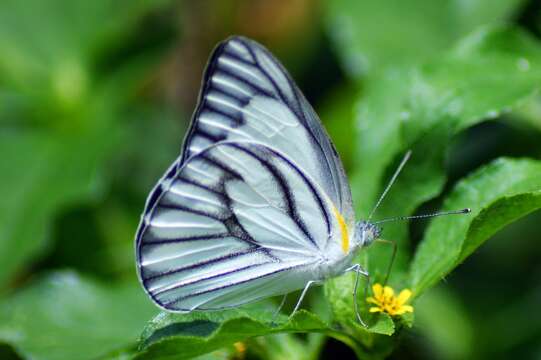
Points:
[(400, 311), (407, 308), (403, 297), (385, 300), (377, 289), (397, 312), (388, 292)]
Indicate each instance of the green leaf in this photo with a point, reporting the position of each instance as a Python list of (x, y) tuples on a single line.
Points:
[(492, 343), (373, 34), (498, 194), (456, 339), (422, 109), (478, 80), (337, 115), (185, 336), (65, 316), (42, 174), (182, 336), (287, 346)]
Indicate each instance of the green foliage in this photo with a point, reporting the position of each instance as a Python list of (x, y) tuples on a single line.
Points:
[(414, 29), (422, 108), (288, 346), (515, 191), (188, 335), (455, 340), (195, 334), (80, 133), (56, 162), (65, 316), (57, 171)]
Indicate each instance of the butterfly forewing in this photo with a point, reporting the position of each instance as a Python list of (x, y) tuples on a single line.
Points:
[(247, 95)]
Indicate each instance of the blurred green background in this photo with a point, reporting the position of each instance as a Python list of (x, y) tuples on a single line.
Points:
[(95, 97)]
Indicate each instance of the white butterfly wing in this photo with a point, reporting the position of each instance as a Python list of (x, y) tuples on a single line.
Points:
[(231, 226), (252, 195), (248, 95)]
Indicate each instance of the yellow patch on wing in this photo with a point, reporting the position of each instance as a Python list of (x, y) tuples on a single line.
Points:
[(343, 230)]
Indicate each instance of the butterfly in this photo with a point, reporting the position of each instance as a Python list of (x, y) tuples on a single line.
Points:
[(257, 204)]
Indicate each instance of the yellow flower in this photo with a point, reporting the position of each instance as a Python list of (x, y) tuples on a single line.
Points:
[(386, 301), (240, 347)]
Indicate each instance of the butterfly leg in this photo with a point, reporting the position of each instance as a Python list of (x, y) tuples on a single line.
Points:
[(304, 291), (359, 271), (393, 257), (277, 311)]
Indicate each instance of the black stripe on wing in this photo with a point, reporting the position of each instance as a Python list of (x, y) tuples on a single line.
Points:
[(279, 89), (228, 286), (188, 209), (235, 73), (154, 195), (308, 183), (202, 280), (200, 265), (184, 239), (288, 193)]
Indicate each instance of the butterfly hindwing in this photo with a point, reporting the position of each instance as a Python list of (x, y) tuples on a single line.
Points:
[(236, 222)]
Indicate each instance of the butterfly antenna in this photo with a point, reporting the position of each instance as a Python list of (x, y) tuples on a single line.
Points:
[(424, 216), (391, 182)]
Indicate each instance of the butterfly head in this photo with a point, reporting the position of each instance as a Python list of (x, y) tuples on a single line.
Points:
[(366, 233)]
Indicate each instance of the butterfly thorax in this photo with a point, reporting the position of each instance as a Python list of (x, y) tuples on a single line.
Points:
[(337, 258), (366, 233)]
